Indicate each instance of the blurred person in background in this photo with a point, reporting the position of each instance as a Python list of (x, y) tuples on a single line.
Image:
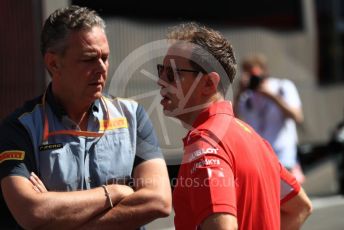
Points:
[(73, 158), (229, 178), (336, 145), (273, 108)]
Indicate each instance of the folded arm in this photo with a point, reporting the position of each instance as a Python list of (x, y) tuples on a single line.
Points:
[(151, 200), (53, 210), (293, 112), (295, 211)]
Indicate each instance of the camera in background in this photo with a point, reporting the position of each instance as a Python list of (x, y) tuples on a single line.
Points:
[(254, 82)]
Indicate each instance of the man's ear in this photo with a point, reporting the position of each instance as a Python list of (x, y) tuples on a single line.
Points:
[(52, 63), (211, 82)]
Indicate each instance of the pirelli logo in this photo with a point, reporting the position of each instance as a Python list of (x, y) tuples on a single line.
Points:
[(116, 123), (12, 155)]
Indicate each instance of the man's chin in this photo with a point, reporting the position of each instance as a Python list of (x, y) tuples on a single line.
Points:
[(169, 113), (167, 110), (175, 113), (97, 95), (93, 97)]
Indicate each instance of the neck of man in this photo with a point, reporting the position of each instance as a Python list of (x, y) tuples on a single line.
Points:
[(188, 119), (76, 111)]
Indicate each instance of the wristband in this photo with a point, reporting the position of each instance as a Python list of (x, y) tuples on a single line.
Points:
[(107, 194)]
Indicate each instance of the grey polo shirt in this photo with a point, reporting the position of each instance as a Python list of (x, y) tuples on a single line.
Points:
[(67, 162)]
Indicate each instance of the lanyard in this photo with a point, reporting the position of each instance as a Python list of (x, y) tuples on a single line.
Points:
[(47, 133)]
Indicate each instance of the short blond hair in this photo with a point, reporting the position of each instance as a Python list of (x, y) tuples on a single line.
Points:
[(209, 40)]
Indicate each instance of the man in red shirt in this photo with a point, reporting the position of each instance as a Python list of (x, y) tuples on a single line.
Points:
[(230, 177)]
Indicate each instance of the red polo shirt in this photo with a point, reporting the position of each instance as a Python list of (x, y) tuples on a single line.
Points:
[(228, 168)]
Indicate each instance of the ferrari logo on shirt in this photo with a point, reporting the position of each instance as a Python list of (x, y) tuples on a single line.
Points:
[(12, 155)]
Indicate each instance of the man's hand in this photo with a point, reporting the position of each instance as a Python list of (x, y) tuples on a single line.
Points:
[(294, 113), (38, 185)]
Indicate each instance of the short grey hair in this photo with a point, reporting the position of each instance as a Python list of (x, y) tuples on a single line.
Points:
[(62, 22)]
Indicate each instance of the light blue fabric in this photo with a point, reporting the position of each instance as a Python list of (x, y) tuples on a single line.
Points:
[(84, 162)]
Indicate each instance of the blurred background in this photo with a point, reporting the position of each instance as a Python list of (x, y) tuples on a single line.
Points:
[(302, 39)]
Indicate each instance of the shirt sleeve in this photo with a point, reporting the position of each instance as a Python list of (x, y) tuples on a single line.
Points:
[(16, 152), (213, 181), (147, 146), (290, 94), (289, 186)]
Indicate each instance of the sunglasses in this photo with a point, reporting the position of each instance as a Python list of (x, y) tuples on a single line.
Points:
[(170, 72)]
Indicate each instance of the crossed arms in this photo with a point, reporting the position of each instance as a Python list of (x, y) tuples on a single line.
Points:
[(35, 208)]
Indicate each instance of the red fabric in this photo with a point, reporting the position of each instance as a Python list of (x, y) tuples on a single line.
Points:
[(228, 168)]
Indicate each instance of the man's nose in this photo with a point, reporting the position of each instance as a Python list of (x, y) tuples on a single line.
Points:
[(162, 82), (102, 66)]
